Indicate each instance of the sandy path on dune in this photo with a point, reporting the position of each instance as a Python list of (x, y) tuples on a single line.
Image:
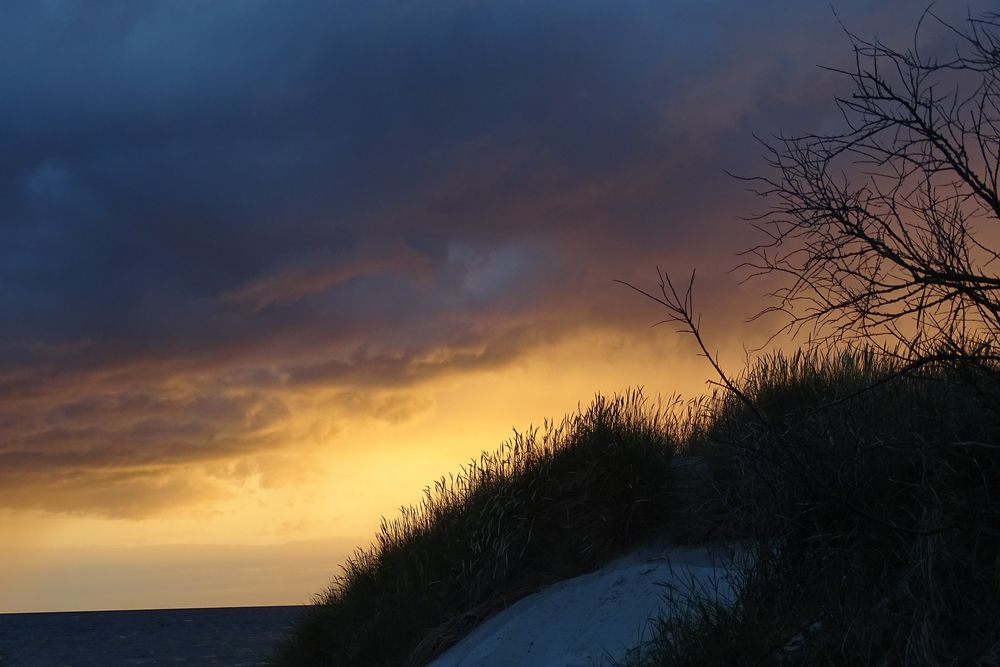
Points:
[(582, 621)]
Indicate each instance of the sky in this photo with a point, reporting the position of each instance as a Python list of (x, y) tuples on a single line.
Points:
[(268, 269)]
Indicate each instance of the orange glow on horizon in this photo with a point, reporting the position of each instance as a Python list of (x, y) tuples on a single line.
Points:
[(340, 485)]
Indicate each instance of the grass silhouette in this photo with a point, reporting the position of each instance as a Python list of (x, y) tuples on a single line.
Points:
[(550, 504), (870, 496), (875, 516)]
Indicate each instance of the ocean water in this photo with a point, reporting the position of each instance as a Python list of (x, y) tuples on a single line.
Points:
[(232, 636)]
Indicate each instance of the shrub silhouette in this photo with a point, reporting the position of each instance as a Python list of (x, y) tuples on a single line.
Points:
[(885, 232)]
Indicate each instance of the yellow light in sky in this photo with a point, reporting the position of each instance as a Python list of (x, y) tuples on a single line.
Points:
[(336, 482)]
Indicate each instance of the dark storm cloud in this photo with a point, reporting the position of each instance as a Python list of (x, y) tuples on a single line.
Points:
[(288, 284), (238, 198)]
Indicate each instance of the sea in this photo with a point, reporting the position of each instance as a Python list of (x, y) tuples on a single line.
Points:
[(236, 636)]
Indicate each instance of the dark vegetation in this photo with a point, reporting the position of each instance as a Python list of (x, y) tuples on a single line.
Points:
[(864, 471), (548, 505), (870, 496), (873, 510)]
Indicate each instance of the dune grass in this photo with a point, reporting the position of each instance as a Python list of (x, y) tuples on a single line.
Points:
[(876, 517), (871, 500), (550, 504)]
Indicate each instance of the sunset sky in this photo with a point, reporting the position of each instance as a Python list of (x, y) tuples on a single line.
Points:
[(269, 268)]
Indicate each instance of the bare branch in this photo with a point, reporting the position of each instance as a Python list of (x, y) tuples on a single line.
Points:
[(886, 232), (680, 310)]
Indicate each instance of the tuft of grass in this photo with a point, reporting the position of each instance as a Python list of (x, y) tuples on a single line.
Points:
[(548, 505), (876, 516)]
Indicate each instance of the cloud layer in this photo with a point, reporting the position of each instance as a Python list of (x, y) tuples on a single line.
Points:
[(212, 211)]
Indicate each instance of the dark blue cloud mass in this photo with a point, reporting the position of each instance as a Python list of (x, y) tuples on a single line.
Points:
[(270, 195)]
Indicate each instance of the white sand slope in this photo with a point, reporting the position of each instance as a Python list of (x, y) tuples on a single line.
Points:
[(582, 621)]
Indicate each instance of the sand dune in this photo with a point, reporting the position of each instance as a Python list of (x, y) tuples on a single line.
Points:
[(585, 620)]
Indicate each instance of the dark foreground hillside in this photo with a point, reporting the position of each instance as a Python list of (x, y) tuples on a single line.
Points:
[(872, 497), (874, 502), (550, 504)]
